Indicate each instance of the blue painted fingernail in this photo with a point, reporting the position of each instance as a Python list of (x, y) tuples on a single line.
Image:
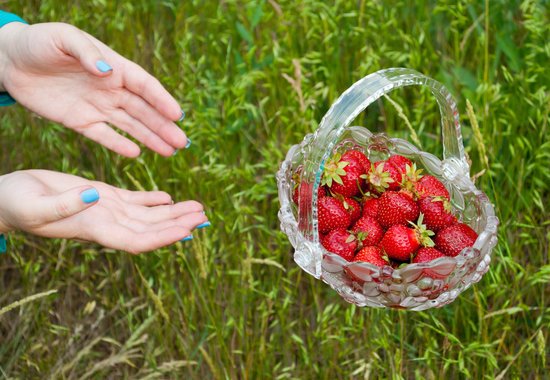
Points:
[(89, 196), (103, 66), (188, 144), (3, 247), (187, 238), (203, 225), (175, 152), (182, 115)]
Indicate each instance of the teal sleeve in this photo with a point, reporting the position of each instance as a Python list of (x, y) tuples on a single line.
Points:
[(6, 18), (2, 244)]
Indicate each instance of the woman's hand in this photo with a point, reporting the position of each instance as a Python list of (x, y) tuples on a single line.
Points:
[(68, 76), (58, 205)]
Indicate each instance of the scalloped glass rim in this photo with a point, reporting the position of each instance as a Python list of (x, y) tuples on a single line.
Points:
[(332, 264)]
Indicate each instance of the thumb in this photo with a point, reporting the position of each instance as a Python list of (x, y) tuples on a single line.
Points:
[(77, 43), (68, 203)]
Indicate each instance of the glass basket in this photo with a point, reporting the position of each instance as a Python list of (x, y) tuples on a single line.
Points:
[(414, 286)]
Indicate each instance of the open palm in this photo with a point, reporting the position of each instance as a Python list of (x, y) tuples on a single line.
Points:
[(65, 75), (49, 204)]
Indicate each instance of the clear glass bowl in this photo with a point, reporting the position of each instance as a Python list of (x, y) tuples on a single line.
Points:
[(414, 286)]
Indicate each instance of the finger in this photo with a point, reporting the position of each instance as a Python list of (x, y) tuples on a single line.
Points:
[(61, 206), (125, 239), (141, 110), (77, 44), (145, 198), (109, 138), (165, 213), (187, 222), (140, 132), (149, 88)]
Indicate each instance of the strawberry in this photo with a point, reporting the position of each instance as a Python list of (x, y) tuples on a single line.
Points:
[(394, 173), (400, 163), (428, 185), (303, 190), (410, 179), (343, 176), (401, 242), (437, 212), (368, 230), (371, 254), (378, 179), (370, 207), (331, 214), (454, 238), (396, 208), (427, 254), (341, 242), (353, 208), (359, 156)]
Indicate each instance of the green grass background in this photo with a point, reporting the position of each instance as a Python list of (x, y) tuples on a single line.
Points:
[(232, 304)]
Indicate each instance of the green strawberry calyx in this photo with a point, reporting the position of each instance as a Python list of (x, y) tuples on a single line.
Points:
[(296, 178), (379, 178), (361, 235), (412, 175), (334, 170), (422, 233), (446, 204), (350, 238)]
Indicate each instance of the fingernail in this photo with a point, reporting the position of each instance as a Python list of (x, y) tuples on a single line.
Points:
[(89, 196), (182, 115), (175, 152), (187, 238), (3, 247), (188, 143), (103, 66), (203, 225)]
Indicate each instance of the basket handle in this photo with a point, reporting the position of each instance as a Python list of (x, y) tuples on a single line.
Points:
[(354, 101)]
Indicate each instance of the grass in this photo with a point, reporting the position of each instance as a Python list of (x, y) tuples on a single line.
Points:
[(254, 78)]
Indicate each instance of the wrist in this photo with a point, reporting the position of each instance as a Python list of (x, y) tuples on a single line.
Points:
[(5, 227), (8, 38)]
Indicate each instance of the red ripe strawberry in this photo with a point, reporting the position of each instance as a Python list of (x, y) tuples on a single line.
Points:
[(370, 207), (401, 242), (428, 185), (343, 176), (305, 188), (396, 208), (341, 242), (427, 254), (400, 163), (359, 156), (437, 212), (353, 208), (371, 254), (454, 238), (378, 179), (368, 231), (331, 215), (395, 174)]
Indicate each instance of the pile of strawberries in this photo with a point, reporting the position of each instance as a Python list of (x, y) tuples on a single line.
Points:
[(385, 212)]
